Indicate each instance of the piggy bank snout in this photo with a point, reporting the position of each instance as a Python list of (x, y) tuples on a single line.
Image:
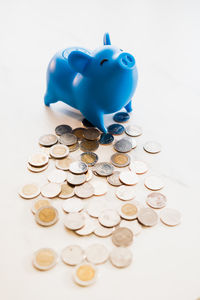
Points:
[(126, 60)]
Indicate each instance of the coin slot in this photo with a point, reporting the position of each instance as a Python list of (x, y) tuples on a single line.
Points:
[(103, 61)]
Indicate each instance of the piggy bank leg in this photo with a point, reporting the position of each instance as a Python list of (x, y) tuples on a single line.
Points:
[(128, 107), (95, 116), (48, 99)]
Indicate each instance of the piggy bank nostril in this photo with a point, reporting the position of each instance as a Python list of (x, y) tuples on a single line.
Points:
[(129, 58), (124, 61)]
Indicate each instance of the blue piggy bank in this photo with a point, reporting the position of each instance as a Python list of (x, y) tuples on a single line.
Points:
[(95, 82)]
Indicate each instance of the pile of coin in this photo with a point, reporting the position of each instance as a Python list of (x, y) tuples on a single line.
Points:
[(82, 185)]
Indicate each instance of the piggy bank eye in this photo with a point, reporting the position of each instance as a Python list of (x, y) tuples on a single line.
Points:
[(103, 61)]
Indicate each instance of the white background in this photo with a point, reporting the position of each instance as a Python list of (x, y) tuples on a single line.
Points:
[(164, 38)]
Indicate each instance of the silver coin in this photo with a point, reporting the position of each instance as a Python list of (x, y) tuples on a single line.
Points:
[(68, 139), (125, 193), (121, 257), (139, 167), (85, 274), (121, 117), (114, 179), (128, 178), (154, 183), (91, 134), (104, 169), (78, 167), (44, 259), (57, 176), (132, 141), (132, 225), (46, 216), (38, 159), (97, 254), (61, 129), (96, 206), (72, 205), (122, 237), (100, 188), (152, 147), (102, 231), (50, 190), (37, 169), (120, 160), (48, 140), (76, 179), (109, 218), (72, 255), (147, 216), (89, 175), (63, 164), (156, 200), (123, 146), (170, 216), (29, 191), (88, 228), (74, 221), (85, 190), (59, 151), (133, 130)]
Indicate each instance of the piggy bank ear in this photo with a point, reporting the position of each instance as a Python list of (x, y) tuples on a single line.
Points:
[(106, 39), (79, 61)]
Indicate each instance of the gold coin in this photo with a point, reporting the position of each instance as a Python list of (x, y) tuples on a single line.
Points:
[(120, 159), (29, 191), (44, 259), (66, 191), (63, 164), (90, 158), (46, 216), (40, 203), (73, 147), (78, 132), (129, 209), (38, 159), (85, 274)]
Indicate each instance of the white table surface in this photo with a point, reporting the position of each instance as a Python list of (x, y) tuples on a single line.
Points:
[(164, 38)]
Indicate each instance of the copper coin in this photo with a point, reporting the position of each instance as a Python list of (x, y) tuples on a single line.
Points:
[(91, 134), (87, 145), (78, 132)]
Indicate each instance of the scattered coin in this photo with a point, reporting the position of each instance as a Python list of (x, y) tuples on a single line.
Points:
[(116, 129), (132, 225), (104, 169), (45, 259), (38, 159), (78, 167), (85, 274), (128, 211), (109, 218), (29, 191), (128, 177), (125, 193), (97, 254), (122, 237), (89, 175), (87, 145), (78, 132), (120, 160), (50, 190), (88, 228), (36, 169), (46, 216), (85, 190), (67, 191), (100, 188), (156, 200), (133, 130), (72, 205), (96, 206), (170, 216), (76, 179), (73, 147), (90, 158), (139, 167), (48, 140), (87, 123), (63, 164), (62, 129), (153, 183), (74, 221), (72, 255), (102, 231), (123, 146), (68, 139), (121, 117), (131, 140), (57, 176), (152, 147), (121, 257), (91, 134), (59, 151), (114, 179), (40, 203), (147, 216), (106, 139)]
